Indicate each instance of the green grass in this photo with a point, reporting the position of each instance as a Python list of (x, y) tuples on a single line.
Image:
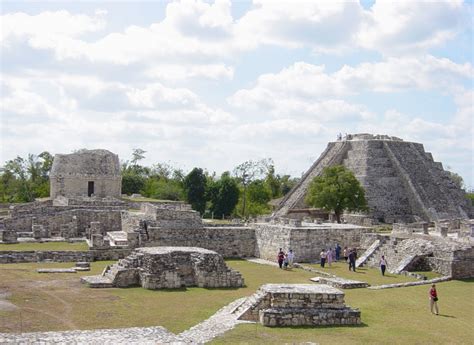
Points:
[(46, 246), (60, 302)]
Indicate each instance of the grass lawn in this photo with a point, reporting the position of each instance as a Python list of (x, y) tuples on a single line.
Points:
[(45, 246), (60, 302)]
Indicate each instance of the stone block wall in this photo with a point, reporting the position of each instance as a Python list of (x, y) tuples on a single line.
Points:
[(280, 305), (77, 186), (14, 256), (230, 242), (306, 242)]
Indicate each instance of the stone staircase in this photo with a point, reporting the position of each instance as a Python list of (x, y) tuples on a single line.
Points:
[(249, 308), (399, 253), (108, 278), (368, 253), (334, 154), (374, 170)]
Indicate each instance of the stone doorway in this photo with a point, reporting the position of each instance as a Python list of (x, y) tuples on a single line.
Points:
[(90, 188)]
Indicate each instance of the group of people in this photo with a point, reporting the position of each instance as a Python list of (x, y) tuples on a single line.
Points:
[(285, 260), (327, 256)]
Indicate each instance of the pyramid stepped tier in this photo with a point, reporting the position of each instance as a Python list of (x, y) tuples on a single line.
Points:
[(401, 181)]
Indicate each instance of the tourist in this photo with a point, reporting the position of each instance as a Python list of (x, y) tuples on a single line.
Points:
[(346, 254), (433, 299), (352, 260), (280, 258), (383, 264), (323, 257), (291, 257), (338, 252), (285, 262), (329, 256)]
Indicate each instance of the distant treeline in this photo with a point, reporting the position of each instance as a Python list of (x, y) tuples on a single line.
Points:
[(244, 191)]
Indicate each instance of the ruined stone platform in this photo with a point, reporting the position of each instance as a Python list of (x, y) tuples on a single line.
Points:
[(340, 283), (168, 268), (298, 305)]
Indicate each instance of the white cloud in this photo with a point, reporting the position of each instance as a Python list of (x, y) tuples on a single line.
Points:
[(174, 72), (307, 83), (411, 26)]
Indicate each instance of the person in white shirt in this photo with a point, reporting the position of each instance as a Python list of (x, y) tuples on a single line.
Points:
[(291, 257), (322, 255), (383, 265)]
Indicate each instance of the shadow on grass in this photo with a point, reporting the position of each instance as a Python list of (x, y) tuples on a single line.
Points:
[(449, 316), (224, 288)]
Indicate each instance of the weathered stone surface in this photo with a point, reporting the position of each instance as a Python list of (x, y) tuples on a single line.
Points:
[(298, 305), (72, 174), (401, 180), (420, 252), (172, 267), (307, 240)]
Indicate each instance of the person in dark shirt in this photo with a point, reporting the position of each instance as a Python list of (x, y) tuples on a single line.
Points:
[(280, 258)]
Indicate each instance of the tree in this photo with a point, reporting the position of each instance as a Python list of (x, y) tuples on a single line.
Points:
[(456, 178), (223, 195), (195, 189), (336, 189), (247, 172)]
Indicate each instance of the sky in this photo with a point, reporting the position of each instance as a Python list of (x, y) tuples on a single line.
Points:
[(212, 84)]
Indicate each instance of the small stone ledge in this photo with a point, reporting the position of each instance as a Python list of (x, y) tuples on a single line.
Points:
[(398, 285), (56, 270), (340, 283), (314, 270)]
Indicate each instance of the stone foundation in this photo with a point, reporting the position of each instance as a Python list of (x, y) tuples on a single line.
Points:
[(278, 305), (168, 268)]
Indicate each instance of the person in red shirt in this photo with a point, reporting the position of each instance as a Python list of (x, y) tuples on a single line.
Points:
[(281, 257), (433, 299)]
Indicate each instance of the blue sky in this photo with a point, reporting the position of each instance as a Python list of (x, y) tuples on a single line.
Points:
[(212, 84)]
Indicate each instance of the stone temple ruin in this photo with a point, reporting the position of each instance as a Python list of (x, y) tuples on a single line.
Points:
[(168, 268), (277, 305), (402, 184), (86, 173)]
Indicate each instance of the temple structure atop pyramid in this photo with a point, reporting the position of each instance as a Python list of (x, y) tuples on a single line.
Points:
[(402, 182)]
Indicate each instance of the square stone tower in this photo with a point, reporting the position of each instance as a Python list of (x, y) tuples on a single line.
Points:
[(86, 173)]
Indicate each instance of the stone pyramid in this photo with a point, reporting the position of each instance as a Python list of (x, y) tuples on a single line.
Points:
[(401, 180)]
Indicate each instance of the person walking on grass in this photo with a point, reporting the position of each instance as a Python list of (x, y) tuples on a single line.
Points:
[(345, 254), (329, 257), (322, 255), (383, 264), (433, 295), (338, 252), (352, 260), (291, 257), (280, 258)]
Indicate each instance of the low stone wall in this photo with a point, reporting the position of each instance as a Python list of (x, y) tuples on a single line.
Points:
[(14, 257), (299, 305), (306, 242), (230, 242)]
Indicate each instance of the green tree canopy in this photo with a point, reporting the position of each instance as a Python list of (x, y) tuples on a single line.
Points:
[(224, 195), (195, 189), (337, 189)]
